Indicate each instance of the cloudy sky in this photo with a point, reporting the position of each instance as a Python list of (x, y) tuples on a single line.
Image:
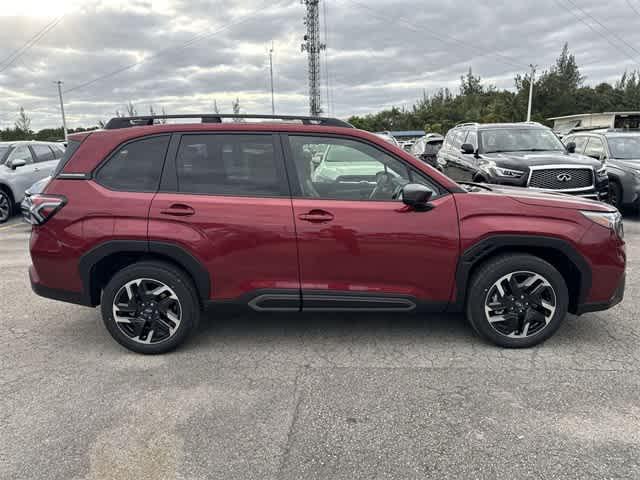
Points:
[(184, 54)]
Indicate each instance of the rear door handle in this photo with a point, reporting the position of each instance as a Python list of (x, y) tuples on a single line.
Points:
[(316, 216), (178, 210)]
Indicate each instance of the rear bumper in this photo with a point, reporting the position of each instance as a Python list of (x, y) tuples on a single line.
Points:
[(613, 301), (55, 294)]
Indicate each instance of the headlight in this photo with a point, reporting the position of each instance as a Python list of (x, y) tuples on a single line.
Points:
[(491, 167), (610, 220)]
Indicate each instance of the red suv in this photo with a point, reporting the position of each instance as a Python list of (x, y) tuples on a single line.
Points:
[(155, 222)]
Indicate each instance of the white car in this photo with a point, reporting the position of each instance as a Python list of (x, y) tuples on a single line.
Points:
[(21, 165)]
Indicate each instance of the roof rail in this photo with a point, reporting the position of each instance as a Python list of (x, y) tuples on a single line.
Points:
[(466, 124), (137, 121)]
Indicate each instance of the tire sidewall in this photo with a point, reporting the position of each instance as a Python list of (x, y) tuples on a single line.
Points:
[(487, 276), (171, 277)]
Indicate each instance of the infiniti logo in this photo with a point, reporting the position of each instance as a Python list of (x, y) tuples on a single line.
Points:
[(564, 177)]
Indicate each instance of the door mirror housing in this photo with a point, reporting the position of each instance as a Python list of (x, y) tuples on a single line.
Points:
[(571, 147), (467, 149), (417, 196), (17, 162)]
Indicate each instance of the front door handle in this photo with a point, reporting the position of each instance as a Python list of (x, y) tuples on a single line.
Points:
[(178, 210), (316, 216)]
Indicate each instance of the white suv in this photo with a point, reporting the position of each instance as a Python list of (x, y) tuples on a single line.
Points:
[(21, 165)]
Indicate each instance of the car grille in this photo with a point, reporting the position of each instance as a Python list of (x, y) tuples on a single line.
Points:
[(561, 178)]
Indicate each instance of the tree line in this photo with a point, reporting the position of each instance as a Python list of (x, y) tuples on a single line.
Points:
[(559, 90), (21, 129)]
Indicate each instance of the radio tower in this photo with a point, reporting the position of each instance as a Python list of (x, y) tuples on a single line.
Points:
[(313, 47)]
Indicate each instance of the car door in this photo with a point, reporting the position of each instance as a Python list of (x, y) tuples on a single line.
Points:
[(595, 148), (22, 177), (370, 250), (225, 199), (457, 168), (469, 161), (45, 159)]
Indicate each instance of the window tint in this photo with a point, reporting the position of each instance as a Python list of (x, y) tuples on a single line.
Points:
[(341, 169), (220, 164), (595, 148), (43, 153), (72, 146), (136, 166), (580, 142), (21, 152), (472, 138)]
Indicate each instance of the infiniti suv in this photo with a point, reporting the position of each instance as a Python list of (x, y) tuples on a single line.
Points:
[(156, 223), (522, 155)]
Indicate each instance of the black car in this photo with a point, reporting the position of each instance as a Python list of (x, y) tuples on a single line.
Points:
[(426, 148), (523, 155), (620, 149)]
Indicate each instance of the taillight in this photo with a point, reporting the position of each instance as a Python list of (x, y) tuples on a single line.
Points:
[(42, 207)]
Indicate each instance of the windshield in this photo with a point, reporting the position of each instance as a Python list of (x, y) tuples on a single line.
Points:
[(625, 148), (3, 153), (519, 140)]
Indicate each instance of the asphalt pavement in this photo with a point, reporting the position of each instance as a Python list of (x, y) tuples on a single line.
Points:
[(314, 396)]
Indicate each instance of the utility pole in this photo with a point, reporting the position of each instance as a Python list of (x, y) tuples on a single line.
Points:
[(64, 120), (531, 79), (273, 102), (313, 47)]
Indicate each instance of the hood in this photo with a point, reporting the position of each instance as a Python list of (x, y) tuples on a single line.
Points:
[(529, 196), (521, 160), (632, 165)]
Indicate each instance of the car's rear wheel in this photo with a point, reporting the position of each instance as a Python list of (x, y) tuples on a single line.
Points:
[(517, 301), (150, 307), (6, 206)]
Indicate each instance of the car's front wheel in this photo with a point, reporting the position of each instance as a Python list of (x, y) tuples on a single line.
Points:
[(6, 206), (150, 307), (517, 300)]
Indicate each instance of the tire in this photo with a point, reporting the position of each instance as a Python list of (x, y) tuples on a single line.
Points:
[(528, 320), (6, 206), (615, 195), (158, 322)]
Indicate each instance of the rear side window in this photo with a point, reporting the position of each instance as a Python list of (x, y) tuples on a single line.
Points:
[(223, 164), (68, 153), (136, 166), (43, 153)]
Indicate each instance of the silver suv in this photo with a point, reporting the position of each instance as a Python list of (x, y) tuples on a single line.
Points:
[(21, 165)]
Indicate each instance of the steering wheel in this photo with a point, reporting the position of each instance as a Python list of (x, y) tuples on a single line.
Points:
[(384, 184)]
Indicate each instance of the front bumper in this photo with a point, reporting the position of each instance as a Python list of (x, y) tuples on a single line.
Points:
[(617, 297)]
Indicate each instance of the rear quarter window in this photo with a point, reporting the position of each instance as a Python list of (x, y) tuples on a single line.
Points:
[(136, 166), (68, 153)]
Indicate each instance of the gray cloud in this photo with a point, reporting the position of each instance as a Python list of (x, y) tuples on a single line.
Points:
[(380, 53)]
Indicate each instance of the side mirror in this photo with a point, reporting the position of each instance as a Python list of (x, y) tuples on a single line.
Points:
[(571, 147), (417, 196), (467, 149), (602, 157), (17, 162)]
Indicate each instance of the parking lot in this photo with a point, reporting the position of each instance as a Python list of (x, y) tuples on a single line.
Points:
[(314, 396)]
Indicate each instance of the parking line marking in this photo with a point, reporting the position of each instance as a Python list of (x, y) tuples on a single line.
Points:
[(7, 227)]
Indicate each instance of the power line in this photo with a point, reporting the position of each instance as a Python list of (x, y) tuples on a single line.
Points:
[(595, 30), (441, 37), (605, 28), (16, 54), (197, 38), (633, 8)]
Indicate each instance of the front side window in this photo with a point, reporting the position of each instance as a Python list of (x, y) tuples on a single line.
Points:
[(580, 141), (342, 169), (43, 153), (21, 152), (472, 138), (519, 140), (625, 148), (136, 166), (594, 148), (458, 138), (224, 164)]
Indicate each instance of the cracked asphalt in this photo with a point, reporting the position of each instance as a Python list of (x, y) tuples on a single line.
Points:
[(320, 396)]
